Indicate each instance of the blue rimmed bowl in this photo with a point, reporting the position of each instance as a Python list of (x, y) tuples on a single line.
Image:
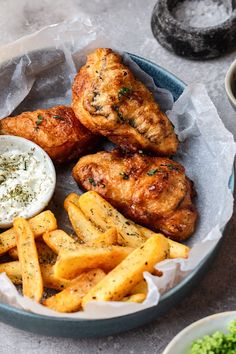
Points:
[(74, 328)]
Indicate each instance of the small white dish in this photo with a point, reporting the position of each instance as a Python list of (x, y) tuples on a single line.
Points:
[(181, 343), (27, 179), (230, 84)]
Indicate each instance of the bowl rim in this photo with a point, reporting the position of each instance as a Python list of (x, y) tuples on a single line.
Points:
[(48, 164), (192, 327), (228, 83)]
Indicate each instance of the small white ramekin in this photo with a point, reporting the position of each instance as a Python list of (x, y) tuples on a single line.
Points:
[(181, 344), (230, 80), (8, 142)]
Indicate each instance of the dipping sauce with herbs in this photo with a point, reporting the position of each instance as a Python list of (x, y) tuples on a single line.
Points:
[(25, 180)]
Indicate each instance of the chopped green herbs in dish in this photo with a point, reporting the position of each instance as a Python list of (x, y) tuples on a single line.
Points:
[(217, 343)]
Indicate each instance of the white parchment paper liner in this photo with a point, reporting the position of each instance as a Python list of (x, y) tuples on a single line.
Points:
[(43, 79)]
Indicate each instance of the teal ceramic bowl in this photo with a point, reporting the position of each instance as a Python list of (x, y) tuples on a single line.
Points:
[(74, 328)]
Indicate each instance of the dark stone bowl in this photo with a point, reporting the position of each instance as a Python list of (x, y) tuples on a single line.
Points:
[(192, 42)]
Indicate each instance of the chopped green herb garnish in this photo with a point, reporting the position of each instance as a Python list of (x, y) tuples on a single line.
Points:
[(91, 181), (153, 171), (171, 167), (20, 194), (58, 117), (124, 175), (124, 91), (40, 119)]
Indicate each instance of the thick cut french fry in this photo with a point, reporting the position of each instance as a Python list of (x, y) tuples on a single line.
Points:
[(45, 254), (177, 250), (139, 297), (71, 198), (107, 238), (28, 257), (39, 224), (103, 215), (50, 280), (13, 253), (119, 282), (71, 264), (70, 299), (84, 229), (58, 241), (141, 287), (13, 271)]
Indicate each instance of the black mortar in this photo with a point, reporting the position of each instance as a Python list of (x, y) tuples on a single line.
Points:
[(192, 42)]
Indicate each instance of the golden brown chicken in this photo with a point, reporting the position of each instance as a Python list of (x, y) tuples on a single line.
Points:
[(56, 130), (153, 191), (108, 100)]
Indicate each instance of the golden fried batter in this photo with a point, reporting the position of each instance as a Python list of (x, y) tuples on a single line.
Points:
[(153, 191), (56, 130), (108, 100)]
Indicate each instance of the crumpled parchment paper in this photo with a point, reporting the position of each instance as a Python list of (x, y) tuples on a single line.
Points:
[(37, 72)]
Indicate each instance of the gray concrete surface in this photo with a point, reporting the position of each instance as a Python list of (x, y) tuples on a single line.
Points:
[(128, 22)]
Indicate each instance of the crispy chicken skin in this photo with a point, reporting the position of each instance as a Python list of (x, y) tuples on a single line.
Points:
[(108, 100), (56, 130), (153, 191)]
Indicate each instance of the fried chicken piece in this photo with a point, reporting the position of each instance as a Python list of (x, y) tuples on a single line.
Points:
[(108, 100), (56, 130), (152, 191)]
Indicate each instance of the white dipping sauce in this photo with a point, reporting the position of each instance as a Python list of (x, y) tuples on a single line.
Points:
[(23, 183)]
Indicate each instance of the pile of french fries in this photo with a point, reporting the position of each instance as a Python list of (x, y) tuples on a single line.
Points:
[(105, 262)]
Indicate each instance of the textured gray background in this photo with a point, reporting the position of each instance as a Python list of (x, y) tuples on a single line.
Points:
[(128, 22)]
